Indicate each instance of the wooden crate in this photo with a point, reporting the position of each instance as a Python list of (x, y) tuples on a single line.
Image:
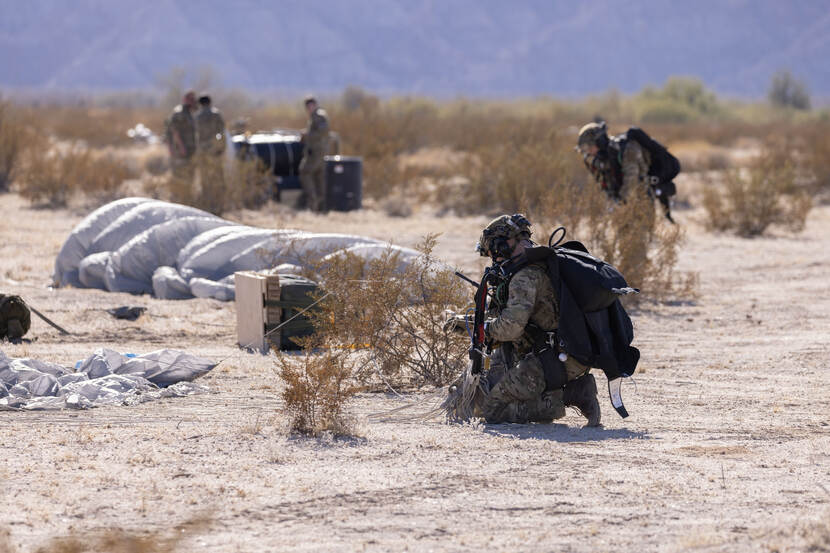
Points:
[(253, 290)]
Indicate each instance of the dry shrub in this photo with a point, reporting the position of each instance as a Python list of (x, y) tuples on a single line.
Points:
[(249, 185), (515, 174), (12, 144), (214, 187), (52, 175), (100, 178), (398, 313), (816, 157), (157, 165), (632, 235), (121, 541), (397, 206), (750, 201), (317, 387)]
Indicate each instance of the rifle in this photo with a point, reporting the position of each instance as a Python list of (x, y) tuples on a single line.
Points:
[(480, 348)]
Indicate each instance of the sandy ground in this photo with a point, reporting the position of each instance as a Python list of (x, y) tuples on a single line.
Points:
[(727, 447)]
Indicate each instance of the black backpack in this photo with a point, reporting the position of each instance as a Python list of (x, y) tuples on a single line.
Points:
[(664, 166), (13, 308)]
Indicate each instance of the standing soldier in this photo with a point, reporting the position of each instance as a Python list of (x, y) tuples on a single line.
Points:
[(312, 167), (210, 136), (180, 136)]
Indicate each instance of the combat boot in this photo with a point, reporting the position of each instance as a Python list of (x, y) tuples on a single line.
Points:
[(546, 408), (582, 394)]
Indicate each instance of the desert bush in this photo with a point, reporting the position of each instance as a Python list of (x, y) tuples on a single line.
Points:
[(52, 175), (749, 201), (397, 313), (12, 143), (681, 100), (117, 540), (100, 178), (815, 158), (631, 235), (317, 388), (788, 92), (157, 165), (513, 175)]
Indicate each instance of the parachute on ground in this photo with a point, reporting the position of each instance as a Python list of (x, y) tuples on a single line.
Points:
[(173, 251)]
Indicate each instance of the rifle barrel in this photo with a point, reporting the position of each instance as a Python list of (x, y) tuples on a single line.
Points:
[(465, 277)]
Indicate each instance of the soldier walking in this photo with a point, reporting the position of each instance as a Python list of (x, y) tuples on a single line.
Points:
[(312, 167), (211, 144)]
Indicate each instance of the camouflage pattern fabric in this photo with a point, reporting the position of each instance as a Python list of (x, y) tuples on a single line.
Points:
[(180, 133), (635, 163), (312, 166), (517, 394), (530, 300), (210, 131)]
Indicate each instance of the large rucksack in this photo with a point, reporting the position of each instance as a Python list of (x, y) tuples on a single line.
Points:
[(15, 317), (594, 327), (664, 166)]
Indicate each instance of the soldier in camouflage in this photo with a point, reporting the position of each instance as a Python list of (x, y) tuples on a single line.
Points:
[(597, 148), (180, 136), (210, 138), (522, 308), (312, 167)]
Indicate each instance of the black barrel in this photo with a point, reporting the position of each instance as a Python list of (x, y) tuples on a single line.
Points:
[(279, 151), (344, 182)]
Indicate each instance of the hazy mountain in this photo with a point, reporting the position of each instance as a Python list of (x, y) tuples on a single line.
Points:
[(448, 47)]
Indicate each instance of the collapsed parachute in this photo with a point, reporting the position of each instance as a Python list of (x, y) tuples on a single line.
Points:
[(172, 251)]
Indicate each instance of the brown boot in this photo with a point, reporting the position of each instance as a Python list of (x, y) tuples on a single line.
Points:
[(582, 394)]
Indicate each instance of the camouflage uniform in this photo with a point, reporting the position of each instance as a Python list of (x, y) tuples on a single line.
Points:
[(517, 393), (180, 136), (519, 396), (634, 162), (312, 166), (210, 135)]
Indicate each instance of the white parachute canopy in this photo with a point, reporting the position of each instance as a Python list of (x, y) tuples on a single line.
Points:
[(173, 251), (104, 378)]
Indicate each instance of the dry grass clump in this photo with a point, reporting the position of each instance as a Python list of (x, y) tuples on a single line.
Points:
[(378, 324), (318, 385), (215, 187), (767, 193), (398, 314), (816, 158), (117, 540), (52, 175), (13, 137), (632, 235)]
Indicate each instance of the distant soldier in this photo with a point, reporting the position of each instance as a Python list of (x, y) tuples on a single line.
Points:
[(180, 136), (629, 162), (312, 167), (210, 137)]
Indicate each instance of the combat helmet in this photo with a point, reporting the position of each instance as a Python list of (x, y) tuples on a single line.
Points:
[(494, 237), (593, 133)]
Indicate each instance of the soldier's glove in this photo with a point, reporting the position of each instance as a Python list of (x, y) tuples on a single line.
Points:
[(457, 323)]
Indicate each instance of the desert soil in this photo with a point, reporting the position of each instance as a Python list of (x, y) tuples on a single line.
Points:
[(727, 447)]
